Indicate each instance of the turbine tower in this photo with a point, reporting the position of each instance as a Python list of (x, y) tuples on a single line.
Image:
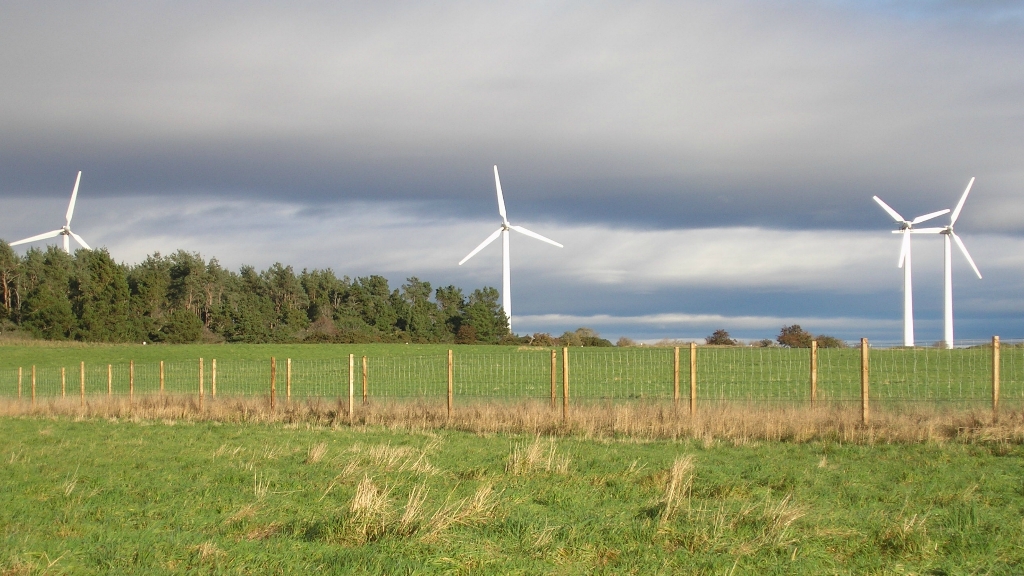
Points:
[(908, 293), (64, 231), (506, 290), (947, 233)]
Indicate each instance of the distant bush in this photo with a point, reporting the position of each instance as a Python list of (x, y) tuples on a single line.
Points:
[(583, 337), (720, 338), (543, 339), (794, 337), (466, 335), (829, 342), (625, 342), (765, 343)]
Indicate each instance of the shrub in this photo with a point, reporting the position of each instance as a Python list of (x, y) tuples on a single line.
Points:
[(829, 342), (794, 337), (625, 342), (543, 339), (466, 335), (720, 338)]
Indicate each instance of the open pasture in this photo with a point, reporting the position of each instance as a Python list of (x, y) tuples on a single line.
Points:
[(165, 496), (740, 374)]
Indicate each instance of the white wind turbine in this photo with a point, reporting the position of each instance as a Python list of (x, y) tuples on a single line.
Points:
[(506, 296), (64, 231), (947, 232), (908, 294)]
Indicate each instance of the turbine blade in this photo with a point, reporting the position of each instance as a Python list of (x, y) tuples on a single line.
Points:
[(963, 249), (53, 234), (960, 204), (482, 245), (501, 199), (927, 217), (80, 241), (522, 230), (895, 215), (924, 231), (904, 249), (74, 196)]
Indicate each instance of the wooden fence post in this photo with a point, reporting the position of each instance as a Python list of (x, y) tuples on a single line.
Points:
[(161, 377), (814, 372), (201, 384), (33, 385), (554, 370), (451, 374), (995, 376), (675, 377), (364, 381), (273, 383), (81, 376), (288, 380), (213, 378), (63, 384), (693, 378), (131, 382), (565, 383), (110, 380), (351, 385), (865, 414)]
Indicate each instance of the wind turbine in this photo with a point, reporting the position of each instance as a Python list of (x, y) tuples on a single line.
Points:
[(64, 231), (506, 295), (947, 232), (908, 294)]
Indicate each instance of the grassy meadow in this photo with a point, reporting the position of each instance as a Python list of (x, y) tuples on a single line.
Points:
[(129, 495), (418, 371)]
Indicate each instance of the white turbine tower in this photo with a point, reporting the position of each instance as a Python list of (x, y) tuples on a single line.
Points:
[(947, 232), (908, 293), (65, 231), (506, 295)]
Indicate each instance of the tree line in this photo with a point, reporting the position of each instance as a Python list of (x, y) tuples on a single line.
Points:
[(183, 298)]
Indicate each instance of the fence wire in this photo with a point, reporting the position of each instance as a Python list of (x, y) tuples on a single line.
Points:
[(724, 374)]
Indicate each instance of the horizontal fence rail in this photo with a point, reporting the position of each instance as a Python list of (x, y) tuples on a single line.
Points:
[(982, 374)]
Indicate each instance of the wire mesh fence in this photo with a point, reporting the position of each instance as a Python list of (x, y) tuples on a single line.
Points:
[(721, 374)]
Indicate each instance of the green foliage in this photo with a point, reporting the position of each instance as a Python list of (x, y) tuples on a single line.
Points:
[(829, 342), (182, 327), (101, 496), (583, 337), (719, 338), (182, 298), (794, 337), (485, 316)]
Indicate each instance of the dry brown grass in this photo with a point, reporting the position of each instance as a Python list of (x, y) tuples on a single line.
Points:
[(732, 423), (680, 480)]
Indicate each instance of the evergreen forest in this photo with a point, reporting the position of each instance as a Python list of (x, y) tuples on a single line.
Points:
[(183, 298)]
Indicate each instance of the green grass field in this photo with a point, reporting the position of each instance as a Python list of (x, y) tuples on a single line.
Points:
[(114, 496), (419, 371)]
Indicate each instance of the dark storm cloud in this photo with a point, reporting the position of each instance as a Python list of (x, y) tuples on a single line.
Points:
[(653, 115)]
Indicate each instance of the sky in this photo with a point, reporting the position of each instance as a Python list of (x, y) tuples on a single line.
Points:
[(706, 165)]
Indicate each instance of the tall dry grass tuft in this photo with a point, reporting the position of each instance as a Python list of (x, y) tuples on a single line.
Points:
[(316, 453), (538, 455), (680, 480), (476, 509), (735, 423)]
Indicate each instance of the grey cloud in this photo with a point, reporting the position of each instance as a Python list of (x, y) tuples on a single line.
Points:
[(657, 115)]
